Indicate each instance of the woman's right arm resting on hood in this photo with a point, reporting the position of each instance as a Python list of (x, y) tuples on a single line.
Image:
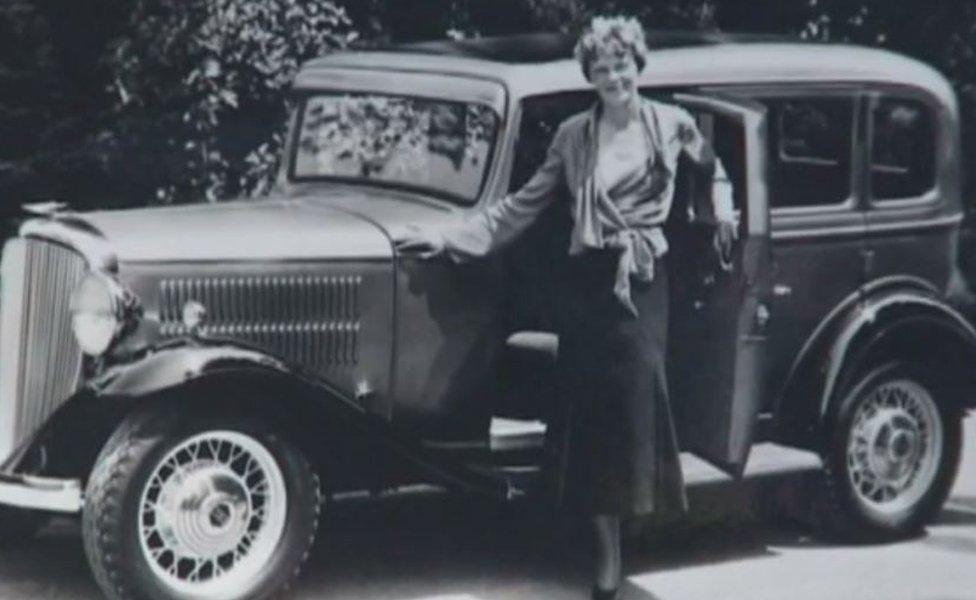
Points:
[(498, 224)]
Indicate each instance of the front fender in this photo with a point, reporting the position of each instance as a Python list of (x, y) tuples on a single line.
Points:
[(177, 365), (174, 367)]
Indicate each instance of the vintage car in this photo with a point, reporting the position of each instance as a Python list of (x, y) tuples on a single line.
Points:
[(195, 381)]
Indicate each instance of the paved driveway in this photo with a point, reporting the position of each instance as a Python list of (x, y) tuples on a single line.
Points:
[(445, 548)]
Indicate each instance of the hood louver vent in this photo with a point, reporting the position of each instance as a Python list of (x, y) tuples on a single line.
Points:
[(310, 320)]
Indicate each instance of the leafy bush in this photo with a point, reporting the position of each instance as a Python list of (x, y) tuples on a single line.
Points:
[(200, 89)]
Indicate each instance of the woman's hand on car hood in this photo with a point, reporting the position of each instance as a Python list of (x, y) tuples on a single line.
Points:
[(422, 241)]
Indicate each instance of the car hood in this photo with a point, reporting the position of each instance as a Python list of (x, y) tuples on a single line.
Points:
[(272, 229)]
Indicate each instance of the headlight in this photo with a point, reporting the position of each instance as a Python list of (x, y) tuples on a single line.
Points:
[(97, 306)]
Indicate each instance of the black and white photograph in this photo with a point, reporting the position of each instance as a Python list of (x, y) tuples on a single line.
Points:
[(488, 299)]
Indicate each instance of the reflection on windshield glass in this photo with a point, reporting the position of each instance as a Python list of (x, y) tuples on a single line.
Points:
[(438, 145)]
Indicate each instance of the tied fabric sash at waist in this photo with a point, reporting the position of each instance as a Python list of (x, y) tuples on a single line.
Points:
[(599, 223)]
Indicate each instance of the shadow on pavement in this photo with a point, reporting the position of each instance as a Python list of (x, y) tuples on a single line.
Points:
[(442, 547), (453, 548), (952, 515), (449, 547), (49, 565)]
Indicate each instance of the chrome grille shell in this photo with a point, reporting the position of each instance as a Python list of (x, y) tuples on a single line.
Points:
[(40, 361)]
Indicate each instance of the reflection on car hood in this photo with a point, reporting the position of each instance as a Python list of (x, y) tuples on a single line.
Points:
[(245, 230)]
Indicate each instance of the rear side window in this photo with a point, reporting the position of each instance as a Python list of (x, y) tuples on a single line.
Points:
[(811, 141), (902, 149)]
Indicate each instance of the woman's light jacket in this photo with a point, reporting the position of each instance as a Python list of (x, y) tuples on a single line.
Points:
[(597, 221)]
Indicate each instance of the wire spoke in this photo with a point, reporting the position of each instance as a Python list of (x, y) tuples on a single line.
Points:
[(212, 507)]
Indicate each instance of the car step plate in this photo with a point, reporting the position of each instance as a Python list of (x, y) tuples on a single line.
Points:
[(766, 459)]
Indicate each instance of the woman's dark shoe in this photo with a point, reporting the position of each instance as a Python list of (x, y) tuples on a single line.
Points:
[(599, 594)]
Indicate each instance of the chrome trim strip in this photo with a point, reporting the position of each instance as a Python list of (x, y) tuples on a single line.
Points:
[(13, 327), (847, 205), (78, 236), (41, 493), (795, 234), (942, 221)]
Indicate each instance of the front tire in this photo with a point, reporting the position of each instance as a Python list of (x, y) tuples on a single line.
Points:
[(892, 454), (209, 509)]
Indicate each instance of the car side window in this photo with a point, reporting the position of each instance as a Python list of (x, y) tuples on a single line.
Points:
[(541, 116), (811, 141), (902, 149), (533, 260)]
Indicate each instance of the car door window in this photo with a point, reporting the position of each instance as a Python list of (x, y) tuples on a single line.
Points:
[(902, 149), (541, 116), (811, 149), (534, 259)]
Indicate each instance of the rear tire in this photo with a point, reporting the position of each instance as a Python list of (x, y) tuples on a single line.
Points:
[(893, 451), (214, 509)]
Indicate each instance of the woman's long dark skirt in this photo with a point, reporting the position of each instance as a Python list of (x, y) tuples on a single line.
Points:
[(622, 449)]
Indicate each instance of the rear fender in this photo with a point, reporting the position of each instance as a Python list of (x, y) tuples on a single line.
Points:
[(901, 326), (888, 320)]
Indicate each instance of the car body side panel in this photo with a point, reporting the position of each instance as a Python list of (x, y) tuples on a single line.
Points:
[(926, 250), (810, 276), (449, 335), (332, 319)]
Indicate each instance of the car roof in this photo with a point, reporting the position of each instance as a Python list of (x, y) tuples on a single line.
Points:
[(542, 63), (547, 47)]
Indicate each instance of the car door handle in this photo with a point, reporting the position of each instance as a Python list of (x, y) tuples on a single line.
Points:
[(868, 256), (781, 291), (762, 316)]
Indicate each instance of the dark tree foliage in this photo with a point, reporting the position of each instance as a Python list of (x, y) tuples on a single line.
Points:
[(54, 96), (124, 102), (200, 89)]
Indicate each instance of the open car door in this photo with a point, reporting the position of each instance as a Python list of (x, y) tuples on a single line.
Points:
[(717, 339)]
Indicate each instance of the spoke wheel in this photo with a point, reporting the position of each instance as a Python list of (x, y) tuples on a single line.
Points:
[(893, 448), (180, 507), (212, 514)]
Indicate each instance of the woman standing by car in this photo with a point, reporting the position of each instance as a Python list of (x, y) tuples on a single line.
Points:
[(618, 161)]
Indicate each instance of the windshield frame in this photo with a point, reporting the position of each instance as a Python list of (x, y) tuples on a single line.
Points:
[(491, 93)]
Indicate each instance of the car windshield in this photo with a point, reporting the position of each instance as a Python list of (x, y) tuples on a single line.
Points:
[(438, 146)]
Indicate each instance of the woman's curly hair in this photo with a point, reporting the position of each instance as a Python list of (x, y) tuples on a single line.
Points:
[(613, 36)]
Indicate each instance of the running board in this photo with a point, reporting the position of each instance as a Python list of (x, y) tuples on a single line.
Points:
[(766, 459), (506, 435)]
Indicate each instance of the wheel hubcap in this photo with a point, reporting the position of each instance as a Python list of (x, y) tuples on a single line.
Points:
[(212, 514), (895, 446), (206, 513)]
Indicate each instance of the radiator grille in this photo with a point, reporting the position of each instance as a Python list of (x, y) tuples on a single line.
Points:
[(40, 361), (310, 320)]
